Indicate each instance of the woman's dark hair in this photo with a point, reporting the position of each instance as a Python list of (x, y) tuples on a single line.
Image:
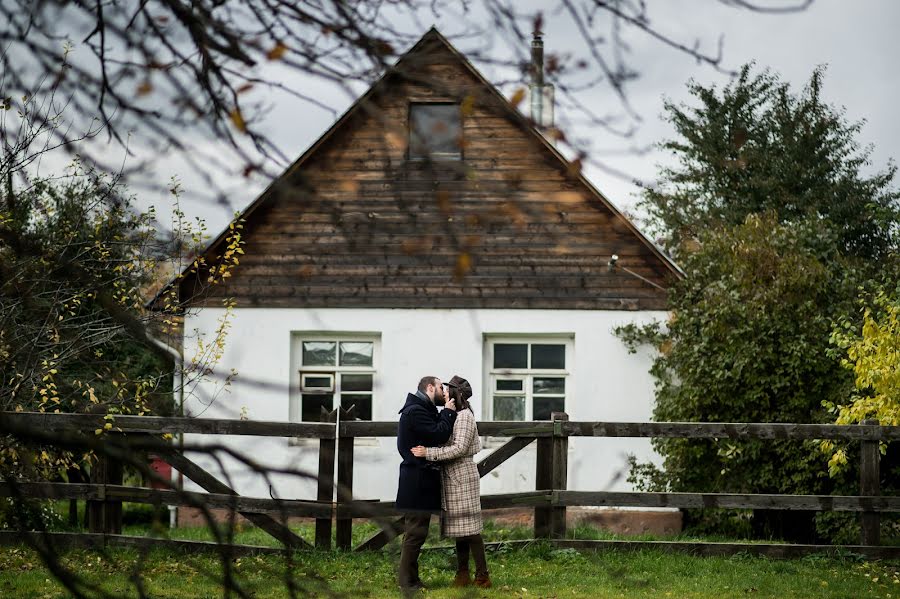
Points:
[(460, 392), (456, 396)]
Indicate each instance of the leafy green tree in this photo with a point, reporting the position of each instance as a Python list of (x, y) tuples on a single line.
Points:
[(756, 146), (76, 265), (74, 261), (778, 232)]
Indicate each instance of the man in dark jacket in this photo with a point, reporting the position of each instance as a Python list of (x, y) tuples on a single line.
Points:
[(419, 489)]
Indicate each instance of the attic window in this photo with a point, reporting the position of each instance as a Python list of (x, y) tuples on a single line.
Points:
[(435, 131)]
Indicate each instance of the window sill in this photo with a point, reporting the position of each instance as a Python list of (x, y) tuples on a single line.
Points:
[(436, 158)]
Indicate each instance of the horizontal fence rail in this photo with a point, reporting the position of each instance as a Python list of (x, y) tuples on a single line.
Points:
[(336, 436), (361, 428), (371, 509), (682, 430), (235, 503), (20, 421), (820, 503)]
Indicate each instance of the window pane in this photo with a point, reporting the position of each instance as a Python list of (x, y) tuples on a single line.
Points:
[(434, 130), (510, 355), (510, 385), (356, 382), (548, 356), (312, 405), (362, 402), (356, 354), (544, 406), (555, 386), (318, 353), (319, 382), (509, 408)]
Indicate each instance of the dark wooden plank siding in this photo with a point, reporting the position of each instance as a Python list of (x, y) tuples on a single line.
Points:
[(506, 227)]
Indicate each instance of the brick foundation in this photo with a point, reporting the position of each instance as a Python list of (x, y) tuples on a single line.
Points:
[(617, 521), (621, 522)]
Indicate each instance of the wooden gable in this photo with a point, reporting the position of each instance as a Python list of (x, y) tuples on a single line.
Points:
[(355, 223)]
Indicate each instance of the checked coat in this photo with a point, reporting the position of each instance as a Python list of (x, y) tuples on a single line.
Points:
[(461, 492), (419, 488)]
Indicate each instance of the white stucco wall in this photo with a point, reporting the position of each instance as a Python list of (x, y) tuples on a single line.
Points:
[(605, 383)]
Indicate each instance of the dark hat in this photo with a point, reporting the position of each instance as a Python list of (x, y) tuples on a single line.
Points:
[(465, 389)]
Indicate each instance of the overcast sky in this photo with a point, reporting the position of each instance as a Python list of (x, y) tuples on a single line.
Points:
[(857, 40)]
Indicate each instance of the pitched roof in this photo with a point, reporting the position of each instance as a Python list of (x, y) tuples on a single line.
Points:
[(425, 45)]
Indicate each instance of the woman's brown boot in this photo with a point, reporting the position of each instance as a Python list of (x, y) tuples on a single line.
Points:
[(463, 579), (483, 581), (482, 578)]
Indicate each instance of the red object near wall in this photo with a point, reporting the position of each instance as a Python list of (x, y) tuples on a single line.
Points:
[(163, 470)]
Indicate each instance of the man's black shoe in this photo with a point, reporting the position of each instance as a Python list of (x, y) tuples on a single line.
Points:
[(413, 589)]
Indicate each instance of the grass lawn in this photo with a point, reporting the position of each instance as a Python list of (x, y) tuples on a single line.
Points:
[(535, 571)]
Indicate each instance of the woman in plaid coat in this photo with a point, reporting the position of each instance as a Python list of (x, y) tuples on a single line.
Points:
[(461, 487)]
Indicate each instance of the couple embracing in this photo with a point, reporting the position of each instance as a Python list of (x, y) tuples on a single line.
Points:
[(438, 475)]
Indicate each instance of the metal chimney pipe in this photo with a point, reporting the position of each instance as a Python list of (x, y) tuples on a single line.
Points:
[(537, 79), (541, 93), (537, 59)]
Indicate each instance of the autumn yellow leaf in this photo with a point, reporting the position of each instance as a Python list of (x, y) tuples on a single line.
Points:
[(277, 52), (238, 119), (348, 186), (467, 107), (517, 97), (395, 139), (144, 88), (574, 169), (568, 197), (443, 201), (463, 265)]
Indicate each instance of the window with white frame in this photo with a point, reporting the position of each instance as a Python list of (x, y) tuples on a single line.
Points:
[(528, 377), (334, 372)]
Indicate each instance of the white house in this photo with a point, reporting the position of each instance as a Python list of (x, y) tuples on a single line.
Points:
[(432, 230)]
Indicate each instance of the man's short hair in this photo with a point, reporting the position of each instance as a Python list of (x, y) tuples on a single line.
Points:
[(426, 380)]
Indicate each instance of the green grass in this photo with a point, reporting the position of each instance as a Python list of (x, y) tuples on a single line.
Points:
[(537, 570)]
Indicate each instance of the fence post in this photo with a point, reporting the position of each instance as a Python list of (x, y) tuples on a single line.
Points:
[(542, 478), (550, 475), (344, 526), (93, 509), (75, 475), (870, 485), (326, 481), (559, 457), (105, 516)]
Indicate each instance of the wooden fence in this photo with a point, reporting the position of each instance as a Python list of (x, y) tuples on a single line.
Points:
[(134, 436)]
